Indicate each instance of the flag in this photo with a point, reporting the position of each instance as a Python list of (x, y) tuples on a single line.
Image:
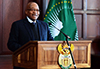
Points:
[(60, 14)]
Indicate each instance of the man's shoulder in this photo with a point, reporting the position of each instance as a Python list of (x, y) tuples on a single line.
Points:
[(19, 21)]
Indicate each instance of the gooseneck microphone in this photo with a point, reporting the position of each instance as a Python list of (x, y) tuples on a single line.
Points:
[(60, 31), (67, 43)]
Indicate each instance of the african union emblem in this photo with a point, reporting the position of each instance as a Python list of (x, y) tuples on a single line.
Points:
[(65, 60), (60, 14)]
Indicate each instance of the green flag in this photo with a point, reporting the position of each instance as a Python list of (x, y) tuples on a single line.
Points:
[(60, 14)]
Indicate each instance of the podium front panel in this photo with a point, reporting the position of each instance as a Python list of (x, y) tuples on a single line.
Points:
[(48, 54), (44, 55)]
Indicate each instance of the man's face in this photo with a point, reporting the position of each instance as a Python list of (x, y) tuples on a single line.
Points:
[(32, 11)]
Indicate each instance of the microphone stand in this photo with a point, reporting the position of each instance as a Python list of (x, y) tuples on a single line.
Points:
[(67, 44), (70, 52)]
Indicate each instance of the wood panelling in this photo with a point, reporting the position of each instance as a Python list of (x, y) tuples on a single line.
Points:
[(79, 24), (1, 26), (93, 26), (90, 20), (77, 4), (6, 62), (11, 11), (93, 4), (87, 14)]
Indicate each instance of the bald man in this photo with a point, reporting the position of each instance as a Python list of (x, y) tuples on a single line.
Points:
[(32, 11), (28, 29)]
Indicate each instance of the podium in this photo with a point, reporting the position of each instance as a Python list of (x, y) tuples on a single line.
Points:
[(44, 55)]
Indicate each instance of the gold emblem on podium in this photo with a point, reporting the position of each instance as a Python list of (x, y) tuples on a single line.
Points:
[(65, 60)]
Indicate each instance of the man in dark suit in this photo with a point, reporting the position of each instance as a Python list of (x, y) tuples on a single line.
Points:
[(28, 29)]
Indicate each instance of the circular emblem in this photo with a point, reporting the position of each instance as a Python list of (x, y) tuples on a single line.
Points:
[(65, 60)]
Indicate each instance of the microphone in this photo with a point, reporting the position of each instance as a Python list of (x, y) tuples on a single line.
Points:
[(60, 31), (67, 43)]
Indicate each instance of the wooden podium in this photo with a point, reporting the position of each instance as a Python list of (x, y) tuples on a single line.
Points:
[(44, 55)]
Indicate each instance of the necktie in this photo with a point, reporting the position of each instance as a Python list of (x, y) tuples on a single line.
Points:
[(33, 23)]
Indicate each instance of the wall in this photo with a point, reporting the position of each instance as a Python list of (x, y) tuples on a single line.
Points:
[(87, 13)]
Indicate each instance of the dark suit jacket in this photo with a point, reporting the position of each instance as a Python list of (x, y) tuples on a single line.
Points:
[(21, 33)]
